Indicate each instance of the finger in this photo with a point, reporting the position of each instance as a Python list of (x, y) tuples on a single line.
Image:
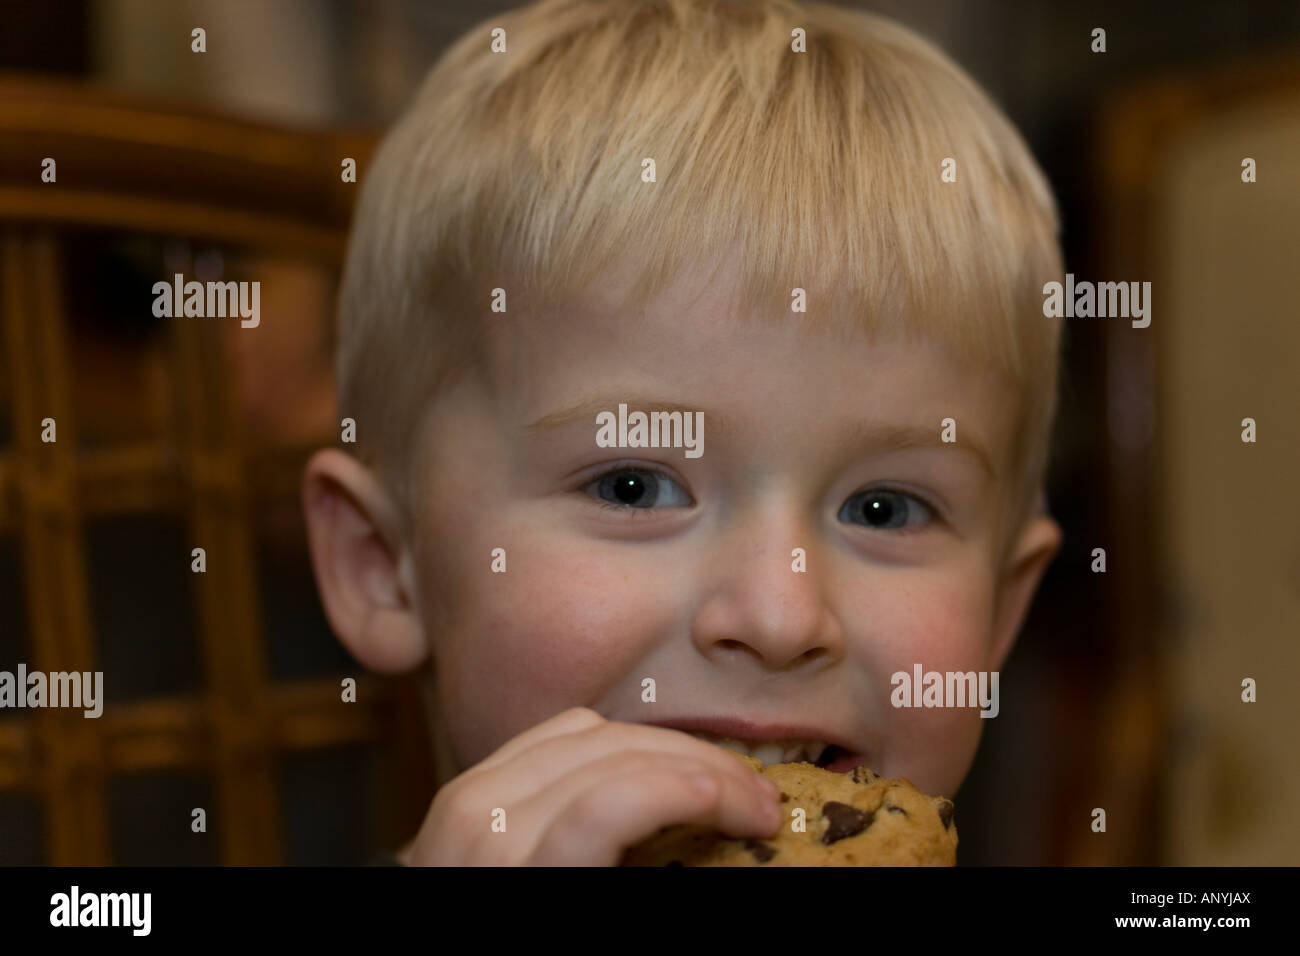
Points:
[(595, 821), (557, 756), (570, 721)]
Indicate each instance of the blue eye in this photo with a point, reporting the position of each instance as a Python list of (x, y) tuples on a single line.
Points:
[(885, 510), (638, 488)]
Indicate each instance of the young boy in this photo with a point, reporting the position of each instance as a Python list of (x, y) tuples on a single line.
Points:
[(806, 232)]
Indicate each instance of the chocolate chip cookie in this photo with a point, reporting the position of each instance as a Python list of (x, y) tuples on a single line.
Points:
[(849, 819)]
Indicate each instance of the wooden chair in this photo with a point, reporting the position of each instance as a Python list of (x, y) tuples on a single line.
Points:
[(175, 433)]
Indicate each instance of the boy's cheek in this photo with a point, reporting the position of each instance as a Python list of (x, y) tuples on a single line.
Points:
[(557, 629), (943, 626), (933, 747), (939, 629)]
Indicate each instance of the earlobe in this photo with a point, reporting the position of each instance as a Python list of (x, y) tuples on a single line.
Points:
[(358, 555), (1039, 542)]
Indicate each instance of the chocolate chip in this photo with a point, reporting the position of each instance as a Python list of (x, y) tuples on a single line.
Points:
[(762, 852), (863, 775), (784, 796), (945, 812), (844, 821), (893, 809)]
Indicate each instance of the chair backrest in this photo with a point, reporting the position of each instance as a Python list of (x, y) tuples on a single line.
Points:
[(173, 434)]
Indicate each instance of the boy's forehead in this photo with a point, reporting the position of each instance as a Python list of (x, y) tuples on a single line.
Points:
[(684, 355), (684, 327), (603, 329), (689, 346)]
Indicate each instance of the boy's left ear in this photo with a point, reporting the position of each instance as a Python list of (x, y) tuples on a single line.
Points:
[(1039, 541)]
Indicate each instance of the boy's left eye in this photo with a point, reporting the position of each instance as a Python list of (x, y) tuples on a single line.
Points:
[(638, 488), (885, 510)]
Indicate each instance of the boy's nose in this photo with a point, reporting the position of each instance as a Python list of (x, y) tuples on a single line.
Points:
[(756, 601)]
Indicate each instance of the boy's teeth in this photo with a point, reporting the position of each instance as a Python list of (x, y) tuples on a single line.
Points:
[(768, 752)]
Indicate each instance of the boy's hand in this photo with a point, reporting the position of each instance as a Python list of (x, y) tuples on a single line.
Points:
[(577, 790)]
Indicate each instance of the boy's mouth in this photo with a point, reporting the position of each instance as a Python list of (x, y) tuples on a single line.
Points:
[(787, 750)]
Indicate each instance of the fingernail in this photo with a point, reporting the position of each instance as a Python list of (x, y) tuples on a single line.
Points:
[(769, 786)]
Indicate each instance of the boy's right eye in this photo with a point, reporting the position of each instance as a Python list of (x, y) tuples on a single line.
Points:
[(638, 488)]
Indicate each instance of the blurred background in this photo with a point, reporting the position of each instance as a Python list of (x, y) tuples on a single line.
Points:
[(1124, 690)]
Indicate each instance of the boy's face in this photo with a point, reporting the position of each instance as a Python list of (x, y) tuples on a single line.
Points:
[(810, 442)]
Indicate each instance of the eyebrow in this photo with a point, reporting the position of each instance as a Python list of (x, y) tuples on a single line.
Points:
[(887, 437), (588, 409), (878, 436)]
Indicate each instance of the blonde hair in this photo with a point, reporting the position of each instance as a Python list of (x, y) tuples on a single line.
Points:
[(820, 170)]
